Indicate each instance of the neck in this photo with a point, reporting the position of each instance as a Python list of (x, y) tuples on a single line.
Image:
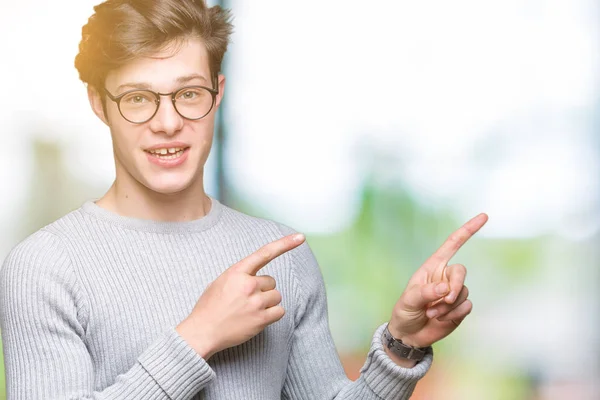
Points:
[(138, 201)]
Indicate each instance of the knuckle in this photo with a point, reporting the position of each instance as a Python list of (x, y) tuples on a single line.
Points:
[(270, 316), (460, 267), (232, 269), (456, 237), (264, 254), (279, 312), (265, 319), (255, 303), (270, 280), (466, 291), (249, 286), (277, 296), (457, 270), (468, 307), (409, 300), (397, 315)]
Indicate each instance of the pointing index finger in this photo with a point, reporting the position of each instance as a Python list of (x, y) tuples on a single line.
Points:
[(257, 260), (458, 238)]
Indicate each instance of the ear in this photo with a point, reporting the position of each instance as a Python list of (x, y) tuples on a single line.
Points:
[(221, 85), (96, 103)]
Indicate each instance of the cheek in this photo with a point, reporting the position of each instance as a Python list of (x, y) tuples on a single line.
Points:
[(204, 129), (125, 138)]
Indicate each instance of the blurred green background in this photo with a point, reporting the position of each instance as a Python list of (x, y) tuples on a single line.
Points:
[(377, 129)]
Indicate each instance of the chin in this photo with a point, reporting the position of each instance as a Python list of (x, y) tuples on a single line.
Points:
[(169, 187)]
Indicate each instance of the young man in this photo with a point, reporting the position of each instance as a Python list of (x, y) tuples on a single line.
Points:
[(158, 291)]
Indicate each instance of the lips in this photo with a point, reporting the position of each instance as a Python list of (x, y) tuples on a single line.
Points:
[(167, 156)]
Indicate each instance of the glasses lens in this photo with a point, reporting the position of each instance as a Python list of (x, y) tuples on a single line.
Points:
[(139, 106), (193, 102)]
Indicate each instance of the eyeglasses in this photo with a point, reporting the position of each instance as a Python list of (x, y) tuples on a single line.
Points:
[(140, 106)]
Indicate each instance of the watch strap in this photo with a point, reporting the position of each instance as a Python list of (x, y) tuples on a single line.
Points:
[(402, 350)]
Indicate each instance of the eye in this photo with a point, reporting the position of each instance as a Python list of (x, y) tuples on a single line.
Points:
[(137, 98), (189, 95)]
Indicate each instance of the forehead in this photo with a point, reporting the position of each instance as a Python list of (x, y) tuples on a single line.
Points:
[(161, 70)]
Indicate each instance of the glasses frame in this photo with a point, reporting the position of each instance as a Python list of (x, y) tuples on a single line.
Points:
[(158, 95)]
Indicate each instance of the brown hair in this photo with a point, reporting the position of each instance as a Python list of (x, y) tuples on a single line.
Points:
[(122, 30)]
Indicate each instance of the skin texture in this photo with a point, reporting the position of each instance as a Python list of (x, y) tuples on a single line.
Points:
[(238, 303), (435, 301), (142, 189)]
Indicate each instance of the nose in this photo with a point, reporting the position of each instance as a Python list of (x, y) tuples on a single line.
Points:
[(167, 120)]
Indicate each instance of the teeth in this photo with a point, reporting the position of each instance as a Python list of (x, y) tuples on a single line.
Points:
[(172, 150), (161, 153)]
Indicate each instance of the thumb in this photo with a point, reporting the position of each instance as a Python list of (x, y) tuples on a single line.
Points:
[(418, 297)]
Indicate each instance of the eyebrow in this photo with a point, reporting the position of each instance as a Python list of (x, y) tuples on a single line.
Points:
[(146, 86), (186, 79)]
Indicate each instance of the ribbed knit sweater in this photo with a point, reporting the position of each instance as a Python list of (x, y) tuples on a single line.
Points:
[(89, 306)]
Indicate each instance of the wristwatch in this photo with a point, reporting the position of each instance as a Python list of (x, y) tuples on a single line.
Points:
[(402, 350)]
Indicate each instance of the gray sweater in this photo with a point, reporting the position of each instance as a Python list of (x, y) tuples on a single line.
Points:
[(89, 303)]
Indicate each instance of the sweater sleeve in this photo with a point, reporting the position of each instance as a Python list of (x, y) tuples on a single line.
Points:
[(314, 369), (43, 319)]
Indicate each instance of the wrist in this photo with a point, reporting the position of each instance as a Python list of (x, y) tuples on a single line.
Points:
[(401, 349), (407, 339), (202, 343)]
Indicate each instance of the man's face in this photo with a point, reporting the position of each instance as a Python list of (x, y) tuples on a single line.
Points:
[(135, 145)]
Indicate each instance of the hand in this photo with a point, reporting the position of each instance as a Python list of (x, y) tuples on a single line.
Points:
[(238, 305), (435, 300)]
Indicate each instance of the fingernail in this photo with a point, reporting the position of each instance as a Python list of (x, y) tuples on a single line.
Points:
[(451, 297), (298, 237), (441, 288), (431, 313)]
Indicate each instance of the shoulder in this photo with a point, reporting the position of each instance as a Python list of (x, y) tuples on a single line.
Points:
[(37, 280), (47, 240), (38, 258)]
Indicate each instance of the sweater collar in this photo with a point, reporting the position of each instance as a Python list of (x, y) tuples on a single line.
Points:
[(200, 224)]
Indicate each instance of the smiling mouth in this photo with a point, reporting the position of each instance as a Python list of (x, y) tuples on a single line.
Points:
[(167, 154)]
